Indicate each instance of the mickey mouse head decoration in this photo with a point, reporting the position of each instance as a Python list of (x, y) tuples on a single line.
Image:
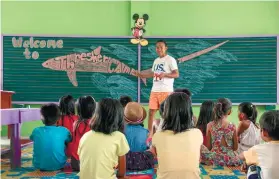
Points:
[(138, 29)]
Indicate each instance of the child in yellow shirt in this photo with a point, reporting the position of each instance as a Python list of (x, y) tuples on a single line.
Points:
[(105, 146)]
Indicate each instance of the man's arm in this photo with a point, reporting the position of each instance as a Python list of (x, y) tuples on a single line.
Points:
[(145, 74), (173, 74)]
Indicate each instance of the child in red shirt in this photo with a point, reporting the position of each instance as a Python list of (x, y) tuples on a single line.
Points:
[(68, 117), (86, 106)]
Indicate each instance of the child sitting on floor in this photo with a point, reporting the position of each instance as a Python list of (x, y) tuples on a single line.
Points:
[(248, 131), (138, 158), (206, 116), (221, 138), (67, 108), (68, 117), (105, 146), (86, 106), (263, 158), (178, 144), (50, 141)]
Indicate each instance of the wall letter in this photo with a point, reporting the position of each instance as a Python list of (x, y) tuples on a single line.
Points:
[(59, 44), (51, 43), (26, 53), (42, 44), (35, 55), (26, 44), (17, 43)]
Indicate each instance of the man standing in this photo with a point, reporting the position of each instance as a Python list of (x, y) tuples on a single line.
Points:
[(163, 72)]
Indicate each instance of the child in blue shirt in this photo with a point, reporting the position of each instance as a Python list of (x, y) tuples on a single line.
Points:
[(50, 141), (139, 157)]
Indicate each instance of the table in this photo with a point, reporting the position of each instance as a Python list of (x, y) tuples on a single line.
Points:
[(14, 117)]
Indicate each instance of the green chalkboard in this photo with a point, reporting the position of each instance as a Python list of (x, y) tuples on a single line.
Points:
[(242, 69), (42, 69), (68, 65)]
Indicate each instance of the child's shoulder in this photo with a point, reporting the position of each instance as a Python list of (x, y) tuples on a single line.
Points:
[(61, 129)]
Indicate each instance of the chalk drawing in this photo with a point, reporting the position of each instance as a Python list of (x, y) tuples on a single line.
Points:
[(88, 62), (80, 50), (194, 72), (115, 85), (120, 85), (104, 49), (100, 82), (125, 53)]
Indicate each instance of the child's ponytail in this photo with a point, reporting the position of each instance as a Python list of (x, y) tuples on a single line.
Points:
[(218, 111), (249, 110), (222, 107)]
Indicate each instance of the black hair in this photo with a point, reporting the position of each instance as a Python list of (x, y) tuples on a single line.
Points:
[(162, 41), (177, 113), (50, 113), (67, 107), (124, 100), (161, 110), (270, 123), (249, 110), (222, 107), (109, 117), (184, 90), (206, 115), (86, 106)]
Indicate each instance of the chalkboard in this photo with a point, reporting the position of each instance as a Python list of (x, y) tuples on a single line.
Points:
[(54, 66), (42, 69), (242, 69)]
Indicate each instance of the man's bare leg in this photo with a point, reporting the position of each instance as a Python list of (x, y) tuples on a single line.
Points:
[(152, 113)]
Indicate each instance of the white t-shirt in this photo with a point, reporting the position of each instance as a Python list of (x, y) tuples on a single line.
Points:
[(163, 65), (265, 156)]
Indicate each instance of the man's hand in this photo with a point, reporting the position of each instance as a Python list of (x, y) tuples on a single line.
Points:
[(161, 75)]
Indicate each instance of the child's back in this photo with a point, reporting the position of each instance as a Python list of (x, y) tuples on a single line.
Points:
[(136, 136), (178, 144), (85, 107), (50, 141), (221, 138), (67, 108), (248, 131), (138, 157), (266, 155), (49, 147), (68, 122), (104, 146)]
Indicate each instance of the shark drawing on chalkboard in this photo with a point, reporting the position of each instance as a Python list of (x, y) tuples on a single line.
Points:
[(88, 62), (95, 62)]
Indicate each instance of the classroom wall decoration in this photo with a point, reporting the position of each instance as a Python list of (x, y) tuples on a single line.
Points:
[(138, 29), (43, 68)]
